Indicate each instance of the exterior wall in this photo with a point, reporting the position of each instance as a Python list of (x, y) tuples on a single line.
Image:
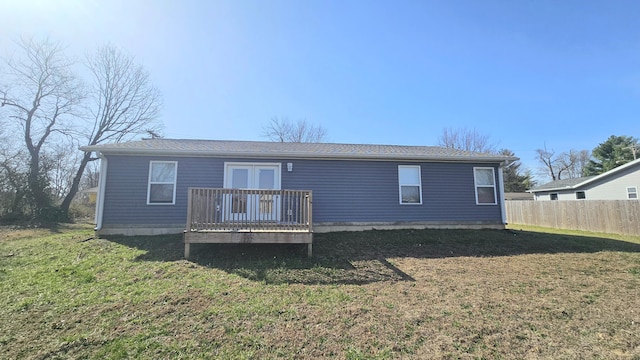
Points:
[(612, 187), (562, 195), (343, 192)]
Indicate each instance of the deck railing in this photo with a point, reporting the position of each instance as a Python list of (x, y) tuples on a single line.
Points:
[(252, 210)]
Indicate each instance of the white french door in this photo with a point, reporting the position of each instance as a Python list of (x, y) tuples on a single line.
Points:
[(252, 207)]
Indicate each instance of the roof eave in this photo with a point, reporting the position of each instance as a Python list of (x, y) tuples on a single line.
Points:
[(552, 189), (595, 178), (609, 173), (291, 155)]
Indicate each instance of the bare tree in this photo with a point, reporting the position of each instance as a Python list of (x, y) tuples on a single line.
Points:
[(59, 164), (124, 104), (468, 140), (547, 159), (565, 165), (43, 96), (283, 130), (13, 178), (573, 162), (91, 176)]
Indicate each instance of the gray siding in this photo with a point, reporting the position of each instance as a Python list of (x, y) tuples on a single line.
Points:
[(615, 186), (343, 191), (612, 187)]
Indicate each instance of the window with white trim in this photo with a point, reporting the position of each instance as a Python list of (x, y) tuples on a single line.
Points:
[(485, 183), (553, 196), (632, 192), (410, 184), (580, 195), (162, 183)]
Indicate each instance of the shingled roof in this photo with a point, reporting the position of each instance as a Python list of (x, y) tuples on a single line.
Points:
[(186, 147), (561, 184), (576, 183)]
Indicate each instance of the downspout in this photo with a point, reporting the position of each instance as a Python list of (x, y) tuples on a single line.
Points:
[(501, 181), (102, 184)]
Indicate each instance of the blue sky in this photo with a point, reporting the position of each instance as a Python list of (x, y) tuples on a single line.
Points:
[(527, 73)]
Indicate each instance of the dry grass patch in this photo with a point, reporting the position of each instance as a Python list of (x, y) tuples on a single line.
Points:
[(370, 295)]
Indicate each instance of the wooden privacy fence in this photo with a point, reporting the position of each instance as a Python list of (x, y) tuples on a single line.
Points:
[(606, 216)]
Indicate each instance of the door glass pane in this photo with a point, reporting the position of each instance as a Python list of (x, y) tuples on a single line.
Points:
[(240, 179), (266, 179), (239, 204), (266, 204)]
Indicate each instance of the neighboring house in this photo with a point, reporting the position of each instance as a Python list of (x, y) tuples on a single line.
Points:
[(621, 183), (518, 196), (159, 185)]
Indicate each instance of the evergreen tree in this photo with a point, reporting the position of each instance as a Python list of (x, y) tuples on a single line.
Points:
[(516, 180), (615, 151)]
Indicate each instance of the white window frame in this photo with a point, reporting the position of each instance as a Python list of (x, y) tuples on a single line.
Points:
[(174, 182), (494, 186), (551, 197), (401, 184), (584, 194), (635, 191)]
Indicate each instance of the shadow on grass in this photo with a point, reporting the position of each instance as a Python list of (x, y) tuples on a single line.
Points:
[(363, 257)]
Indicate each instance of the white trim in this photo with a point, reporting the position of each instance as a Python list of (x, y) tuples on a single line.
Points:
[(476, 186), (174, 183), (278, 181), (584, 194), (612, 171), (635, 191), (102, 184), (252, 209), (401, 184), (503, 211), (551, 196)]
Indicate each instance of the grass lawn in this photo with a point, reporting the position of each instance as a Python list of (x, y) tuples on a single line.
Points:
[(370, 295)]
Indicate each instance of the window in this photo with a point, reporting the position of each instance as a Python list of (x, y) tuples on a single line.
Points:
[(580, 195), (410, 184), (162, 183), (632, 192), (553, 196), (485, 181)]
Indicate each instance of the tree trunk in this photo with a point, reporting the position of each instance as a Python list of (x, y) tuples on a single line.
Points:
[(36, 185), (75, 185)]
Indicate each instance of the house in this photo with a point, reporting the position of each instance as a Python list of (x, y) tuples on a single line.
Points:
[(621, 183), (246, 191), (518, 196)]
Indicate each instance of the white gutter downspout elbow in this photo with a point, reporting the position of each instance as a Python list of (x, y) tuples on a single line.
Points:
[(102, 184), (502, 202)]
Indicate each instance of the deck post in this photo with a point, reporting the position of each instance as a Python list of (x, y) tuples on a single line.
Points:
[(309, 249), (187, 248)]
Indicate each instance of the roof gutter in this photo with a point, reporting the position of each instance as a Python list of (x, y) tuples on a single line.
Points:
[(503, 211), (295, 155), (102, 182)]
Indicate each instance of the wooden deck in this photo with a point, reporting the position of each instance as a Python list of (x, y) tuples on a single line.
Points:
[(216, 215)]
